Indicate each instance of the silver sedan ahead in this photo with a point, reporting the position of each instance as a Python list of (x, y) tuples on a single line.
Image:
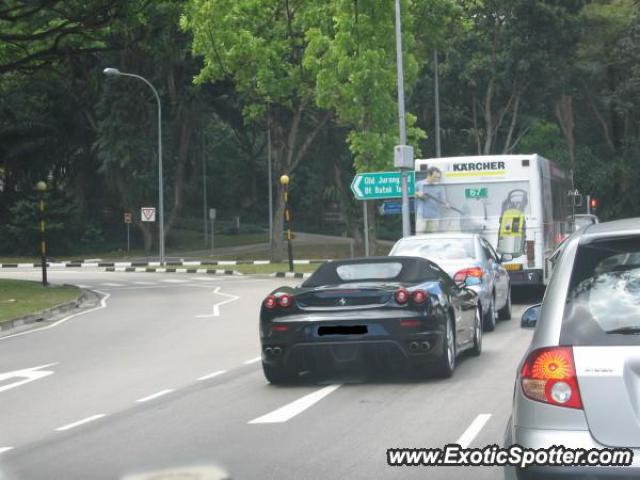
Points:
[(466, 256), (578, 385)]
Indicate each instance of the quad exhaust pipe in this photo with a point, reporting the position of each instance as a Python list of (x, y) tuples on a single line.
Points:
[(273, 351), (419, 346)]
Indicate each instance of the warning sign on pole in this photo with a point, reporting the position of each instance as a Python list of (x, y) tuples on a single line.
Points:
[(128, 217), (148, 214)]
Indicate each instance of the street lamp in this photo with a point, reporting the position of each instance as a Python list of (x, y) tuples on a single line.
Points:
[(116, 72), (41, 187), (284, 181), (403, 154)]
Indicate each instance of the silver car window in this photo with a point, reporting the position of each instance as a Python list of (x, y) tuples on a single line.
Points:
[(603, 303), (437, 248)]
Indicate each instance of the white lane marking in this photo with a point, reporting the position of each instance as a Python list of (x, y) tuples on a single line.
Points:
[(174, 280), (83, 286), (26, 374), (253, 360), (155, 395), (145, 283), (211, 375), (296, 407), (207, 279), (80, 422), (472, 431), (5, 449), (216, 306), (113, 285), (103, 304)]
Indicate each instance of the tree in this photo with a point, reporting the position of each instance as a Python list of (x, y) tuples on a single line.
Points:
[(259, 45)]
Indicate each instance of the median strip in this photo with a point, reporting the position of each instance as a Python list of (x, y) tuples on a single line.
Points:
[(80, 422)]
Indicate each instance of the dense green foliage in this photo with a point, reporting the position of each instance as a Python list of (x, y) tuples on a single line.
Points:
[(560, 78)]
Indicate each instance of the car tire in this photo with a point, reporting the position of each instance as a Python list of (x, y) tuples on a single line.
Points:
[(476, 350), (278, 374), (505, 312), (447, 362), (489, 319)]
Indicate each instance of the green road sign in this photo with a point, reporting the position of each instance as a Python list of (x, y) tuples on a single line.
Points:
[(381, 185), (480, 192)]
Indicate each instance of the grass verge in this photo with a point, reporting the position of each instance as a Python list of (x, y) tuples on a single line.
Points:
[(272, 268), (19, 298)]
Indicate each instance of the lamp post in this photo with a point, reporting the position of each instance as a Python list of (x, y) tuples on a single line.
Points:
[(116, 72), (41, 187), (284, 181), (403, 154)]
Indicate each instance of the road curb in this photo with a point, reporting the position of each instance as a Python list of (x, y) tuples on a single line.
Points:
[(44, 315), (291, 275), (172, 270), (195, 263)]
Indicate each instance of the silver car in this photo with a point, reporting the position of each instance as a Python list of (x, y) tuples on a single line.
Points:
[(578, 385), (466, 256)]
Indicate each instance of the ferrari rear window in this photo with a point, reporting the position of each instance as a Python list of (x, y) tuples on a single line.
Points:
[(361, 271), (409, 270), (603, 303)]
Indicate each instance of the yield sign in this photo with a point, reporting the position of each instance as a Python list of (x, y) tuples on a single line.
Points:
[(148, 214), (20, 377)]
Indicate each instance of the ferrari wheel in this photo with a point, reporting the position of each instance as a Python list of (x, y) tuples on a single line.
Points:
[(447, 362)]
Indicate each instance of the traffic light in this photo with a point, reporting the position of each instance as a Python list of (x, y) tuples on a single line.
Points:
[(593, 204)]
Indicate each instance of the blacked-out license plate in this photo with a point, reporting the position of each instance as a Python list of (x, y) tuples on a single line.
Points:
[(343, 330)]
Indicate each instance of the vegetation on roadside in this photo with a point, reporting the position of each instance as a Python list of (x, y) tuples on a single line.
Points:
[(559, 78), (19, 298)]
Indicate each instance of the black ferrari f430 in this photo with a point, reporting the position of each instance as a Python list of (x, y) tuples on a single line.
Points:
[(393, 312)]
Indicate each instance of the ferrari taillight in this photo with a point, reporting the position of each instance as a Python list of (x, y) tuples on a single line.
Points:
[(402, 296), (285, 301), (476, 272), (270, 302), (419, 297), (549, 375)]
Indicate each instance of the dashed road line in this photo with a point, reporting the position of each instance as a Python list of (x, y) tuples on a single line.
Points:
[(144, 283), (113, 285), (155, 395), (296, 407), (80, 422), (175, 280), (472, 430), (5, 449), (253, 360), (211, 375)]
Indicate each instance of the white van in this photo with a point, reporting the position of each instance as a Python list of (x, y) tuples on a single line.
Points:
[(522, 205)]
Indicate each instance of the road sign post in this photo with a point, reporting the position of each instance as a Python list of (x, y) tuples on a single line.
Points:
[(212, 217), (381, 186), (128, 219)]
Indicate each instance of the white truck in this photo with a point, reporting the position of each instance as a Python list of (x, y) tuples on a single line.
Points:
[(522, 205)]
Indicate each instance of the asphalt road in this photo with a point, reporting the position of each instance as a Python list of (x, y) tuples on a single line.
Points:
[(165, 372)]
